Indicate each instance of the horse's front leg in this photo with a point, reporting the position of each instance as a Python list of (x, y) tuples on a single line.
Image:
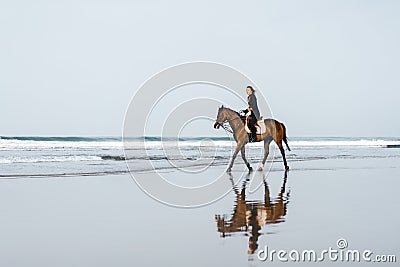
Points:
[(237, 149), (243, 152), (266, 152)]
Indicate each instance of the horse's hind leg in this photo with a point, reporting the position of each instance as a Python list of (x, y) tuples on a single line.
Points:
[(283, 154), (266, 152), (243, 152)]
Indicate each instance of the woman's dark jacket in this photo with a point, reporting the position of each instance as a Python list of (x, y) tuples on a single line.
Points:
[(252, 100)]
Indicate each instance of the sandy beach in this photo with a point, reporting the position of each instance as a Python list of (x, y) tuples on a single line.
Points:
[(109, 221)]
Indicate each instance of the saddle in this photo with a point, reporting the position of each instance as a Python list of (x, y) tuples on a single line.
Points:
[(260, 125)]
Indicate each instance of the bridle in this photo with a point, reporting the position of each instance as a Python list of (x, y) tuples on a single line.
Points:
[(225, 126)]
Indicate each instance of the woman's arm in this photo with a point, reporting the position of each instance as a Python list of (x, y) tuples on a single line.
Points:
[(252, 101), (253, 105)]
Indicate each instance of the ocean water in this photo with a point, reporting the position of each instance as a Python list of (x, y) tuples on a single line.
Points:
[(22, 156)]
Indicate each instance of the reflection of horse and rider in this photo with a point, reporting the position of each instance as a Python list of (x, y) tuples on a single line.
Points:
[(248, 126), (250, 216)]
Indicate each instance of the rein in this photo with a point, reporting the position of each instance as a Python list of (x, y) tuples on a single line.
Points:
[(226, 127)]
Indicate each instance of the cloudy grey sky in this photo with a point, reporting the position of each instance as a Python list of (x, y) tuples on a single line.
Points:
[(327, 68)]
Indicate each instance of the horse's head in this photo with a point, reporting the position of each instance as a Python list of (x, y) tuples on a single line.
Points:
[(221, 117)]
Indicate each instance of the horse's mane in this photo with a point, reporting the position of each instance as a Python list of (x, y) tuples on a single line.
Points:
[(232, 110)]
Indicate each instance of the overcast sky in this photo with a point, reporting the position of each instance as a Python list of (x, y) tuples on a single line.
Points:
[(327, 68)]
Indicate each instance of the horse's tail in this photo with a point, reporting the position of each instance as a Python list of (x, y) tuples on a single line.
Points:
[(284, 136)]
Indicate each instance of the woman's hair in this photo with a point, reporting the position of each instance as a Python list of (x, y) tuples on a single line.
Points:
[(251, 88)]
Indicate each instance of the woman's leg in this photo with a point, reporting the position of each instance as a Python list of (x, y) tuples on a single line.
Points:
[(253, 128)]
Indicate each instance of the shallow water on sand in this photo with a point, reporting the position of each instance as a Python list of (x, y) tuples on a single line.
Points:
[(331, 192), (109, 221)]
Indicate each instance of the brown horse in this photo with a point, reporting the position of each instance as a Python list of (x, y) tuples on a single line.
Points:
[(275, 130)]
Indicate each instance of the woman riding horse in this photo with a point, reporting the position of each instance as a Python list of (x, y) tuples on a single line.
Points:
[(255, 113), (275, 131)]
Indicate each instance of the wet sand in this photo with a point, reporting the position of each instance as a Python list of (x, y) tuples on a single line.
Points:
[(109, 221)]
